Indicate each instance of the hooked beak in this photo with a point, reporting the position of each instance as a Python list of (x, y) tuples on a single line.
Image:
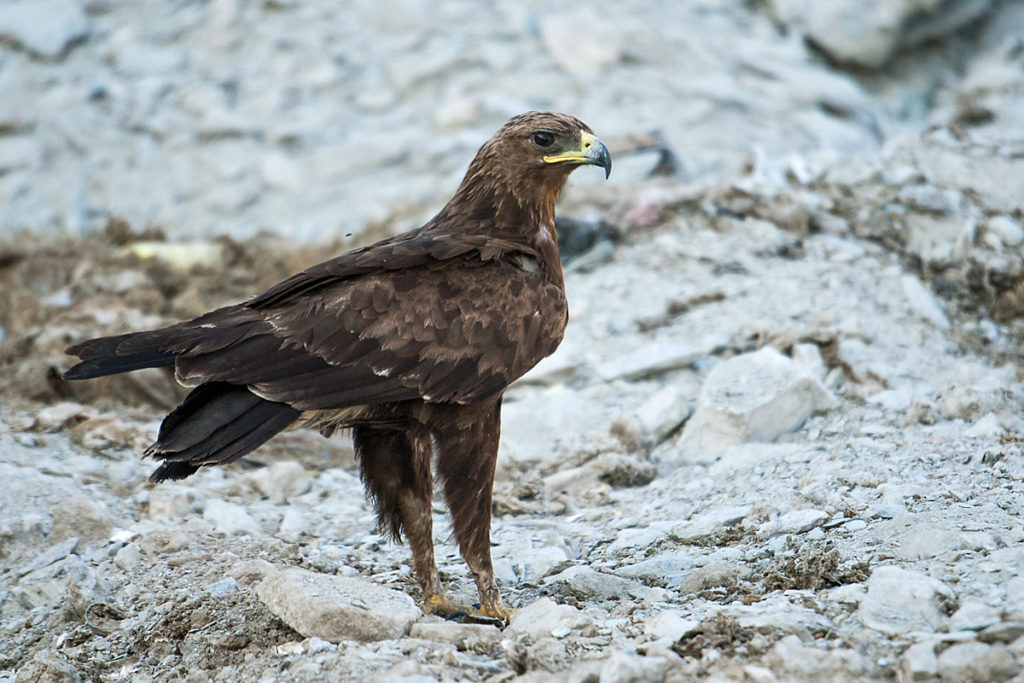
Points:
[(591, 152)]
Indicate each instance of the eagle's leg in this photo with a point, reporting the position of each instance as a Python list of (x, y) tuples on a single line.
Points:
[(468, 452), (396, 472)]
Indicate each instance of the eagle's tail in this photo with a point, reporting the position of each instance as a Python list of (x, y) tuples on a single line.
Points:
[(216, 424), (123, 353)]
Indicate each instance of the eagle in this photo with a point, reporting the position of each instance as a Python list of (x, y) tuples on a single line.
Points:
[(409, 343)]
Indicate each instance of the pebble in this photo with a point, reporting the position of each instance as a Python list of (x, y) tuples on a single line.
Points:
[(219, 589), (709, 523), (1009, 231), (900, 600), (669, 624), (629, 667), (473, 637), (793, 522), (585, 583), (540, 618), (791, 656), (282, 481), (230, 519), (922, 303), (655, 420), (974, 662), (648, 361), (54, 553), (919, 662), (752, 397), (337, 608), (973, 615), (173, 501), (595, 44), (45, 28)]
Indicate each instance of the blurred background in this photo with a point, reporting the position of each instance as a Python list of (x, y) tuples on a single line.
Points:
[(315, 119)]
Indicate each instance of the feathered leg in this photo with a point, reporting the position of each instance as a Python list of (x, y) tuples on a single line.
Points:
[(396, 473), (467, 439)]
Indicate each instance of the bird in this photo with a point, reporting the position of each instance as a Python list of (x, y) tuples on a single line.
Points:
[(408, 343)]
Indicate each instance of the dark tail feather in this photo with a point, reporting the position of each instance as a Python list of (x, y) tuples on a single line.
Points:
[(123, 353), (216, 424)]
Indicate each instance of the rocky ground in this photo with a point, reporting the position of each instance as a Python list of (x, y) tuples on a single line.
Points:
[(781, 441)]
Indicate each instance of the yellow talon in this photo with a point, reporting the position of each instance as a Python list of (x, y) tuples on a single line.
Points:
[(438, 604)]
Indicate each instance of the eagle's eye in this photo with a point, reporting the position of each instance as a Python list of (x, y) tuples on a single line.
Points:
[(543, 139)]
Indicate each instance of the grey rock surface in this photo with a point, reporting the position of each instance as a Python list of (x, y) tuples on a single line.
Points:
[(336, 608)]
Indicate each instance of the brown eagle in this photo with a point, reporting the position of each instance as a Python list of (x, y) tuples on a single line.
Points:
[(409, 342)]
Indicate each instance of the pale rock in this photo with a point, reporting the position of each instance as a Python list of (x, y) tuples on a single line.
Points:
[(55, 553), (709, 523), (219, 589), (790, 656), (931, 198), (752, 397), (670, 625), (922, 303), (792, 522), (456, 112), (869, 33), (61, 415), (712, 575), (974, 662), (251, 572), (160, 541), (229, 518), (280, 172), (473, 637), (1009, 231), (809, 356), (533, 564), (973, 615), (580, 41), (46, 666), (282, 481), (584, 583), (128, 557), (938, 239), (629, 667), (45, 28), (920, 662), (173, 501), (779, 612), (901, 600), (540, 618), (70, 583), (294, 523), (987, 427), (337, 608), (655, 420), (965, 400), (19, 152), (80, 517), (1003, 632), (649, 360)]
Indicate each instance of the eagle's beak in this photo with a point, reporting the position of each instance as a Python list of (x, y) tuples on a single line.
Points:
[(592, 151)]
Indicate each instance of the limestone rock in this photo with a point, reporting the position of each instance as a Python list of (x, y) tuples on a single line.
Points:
[(974, 662), (752, 397), (44, 28), (229, 518), (920, 662), (629, 667), (545, 617), (585, 583), (80, 517), (474, 637), (900, 600), (337, 608), (282, 481)]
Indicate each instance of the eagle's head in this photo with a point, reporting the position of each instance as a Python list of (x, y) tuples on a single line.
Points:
[(517, 175)]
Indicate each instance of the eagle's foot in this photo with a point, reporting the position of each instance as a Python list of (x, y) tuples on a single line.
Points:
[(438, 604), (494, 610)]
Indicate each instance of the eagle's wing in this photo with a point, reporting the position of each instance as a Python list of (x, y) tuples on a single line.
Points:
[(443, 329)]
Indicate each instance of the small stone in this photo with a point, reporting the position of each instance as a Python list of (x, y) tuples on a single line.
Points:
[(649, 360), (922, 303), (251, 572), (671, 625), (932, 198), (791, 656), (584, 583), (712, 575), (920, 662), (1009, 231), (337, 608), (219, 589), (472, 637), (55, 553), (62, 415), (974, 662), (44, 28), (164, 541), (793, 522), (629, 667), (655, 420), (173, 501), (973, 615), (709, 523), (900, 600), (809, 356), (80, 517), (17, 152), (229, 518), (1004, 632), (752, 397), (129, 557), (47, 666), (540, 618)]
